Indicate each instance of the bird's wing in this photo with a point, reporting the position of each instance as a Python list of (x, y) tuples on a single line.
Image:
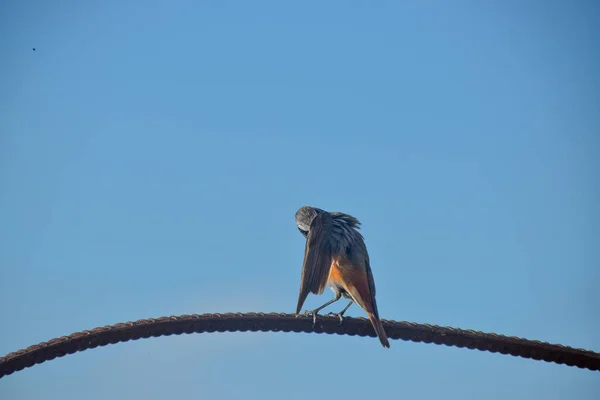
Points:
[(318, 255), (372, 290)]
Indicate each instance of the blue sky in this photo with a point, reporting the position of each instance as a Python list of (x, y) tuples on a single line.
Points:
[(152, 158)]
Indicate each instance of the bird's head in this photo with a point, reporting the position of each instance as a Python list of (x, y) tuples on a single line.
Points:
[(304, 218)]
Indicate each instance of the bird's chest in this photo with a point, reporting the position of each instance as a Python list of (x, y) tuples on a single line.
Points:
[(336, 275), (337, 279)]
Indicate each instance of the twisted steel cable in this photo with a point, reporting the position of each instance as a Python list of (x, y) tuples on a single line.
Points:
[(274, 322)]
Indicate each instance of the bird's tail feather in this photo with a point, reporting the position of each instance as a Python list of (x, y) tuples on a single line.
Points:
[(378, 326)]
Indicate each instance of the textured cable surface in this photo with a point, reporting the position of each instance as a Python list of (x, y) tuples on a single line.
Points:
[(274, 322)]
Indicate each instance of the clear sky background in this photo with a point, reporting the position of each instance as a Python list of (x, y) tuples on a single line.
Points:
[(152, 157)]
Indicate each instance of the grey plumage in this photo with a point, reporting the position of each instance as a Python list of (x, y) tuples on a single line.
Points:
[(333, 238), (329, 235), (345, 228)]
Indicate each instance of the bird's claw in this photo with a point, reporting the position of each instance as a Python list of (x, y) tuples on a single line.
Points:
[(339, 315), (314, 315)]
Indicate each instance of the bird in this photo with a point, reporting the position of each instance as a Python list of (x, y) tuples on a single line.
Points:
[(34, 49), (335, 255)]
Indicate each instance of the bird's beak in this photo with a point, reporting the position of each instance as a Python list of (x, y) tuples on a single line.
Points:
[(304, 233)]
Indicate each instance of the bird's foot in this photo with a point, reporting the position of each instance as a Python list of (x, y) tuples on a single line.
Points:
[(339, 315), (314, 315)]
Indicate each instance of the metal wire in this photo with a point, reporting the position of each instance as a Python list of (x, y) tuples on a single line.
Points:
[(232, 322)]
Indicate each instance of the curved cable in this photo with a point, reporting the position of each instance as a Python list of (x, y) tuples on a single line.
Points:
[(275, 322)]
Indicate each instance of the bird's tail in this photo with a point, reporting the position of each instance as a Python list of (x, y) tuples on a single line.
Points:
[(378, 326)]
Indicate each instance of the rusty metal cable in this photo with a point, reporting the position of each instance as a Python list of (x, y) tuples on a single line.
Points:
[(273, 322)]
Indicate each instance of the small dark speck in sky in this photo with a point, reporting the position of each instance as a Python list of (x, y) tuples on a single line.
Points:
[(34, 49)]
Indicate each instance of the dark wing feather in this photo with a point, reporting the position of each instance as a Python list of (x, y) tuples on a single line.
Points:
[(318, 255), (371, 287)]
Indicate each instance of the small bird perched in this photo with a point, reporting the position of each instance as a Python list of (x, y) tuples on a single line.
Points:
[(335, 255)]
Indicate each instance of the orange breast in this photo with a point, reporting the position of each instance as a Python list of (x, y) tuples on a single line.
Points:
[(353, 279), (335, 275)]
